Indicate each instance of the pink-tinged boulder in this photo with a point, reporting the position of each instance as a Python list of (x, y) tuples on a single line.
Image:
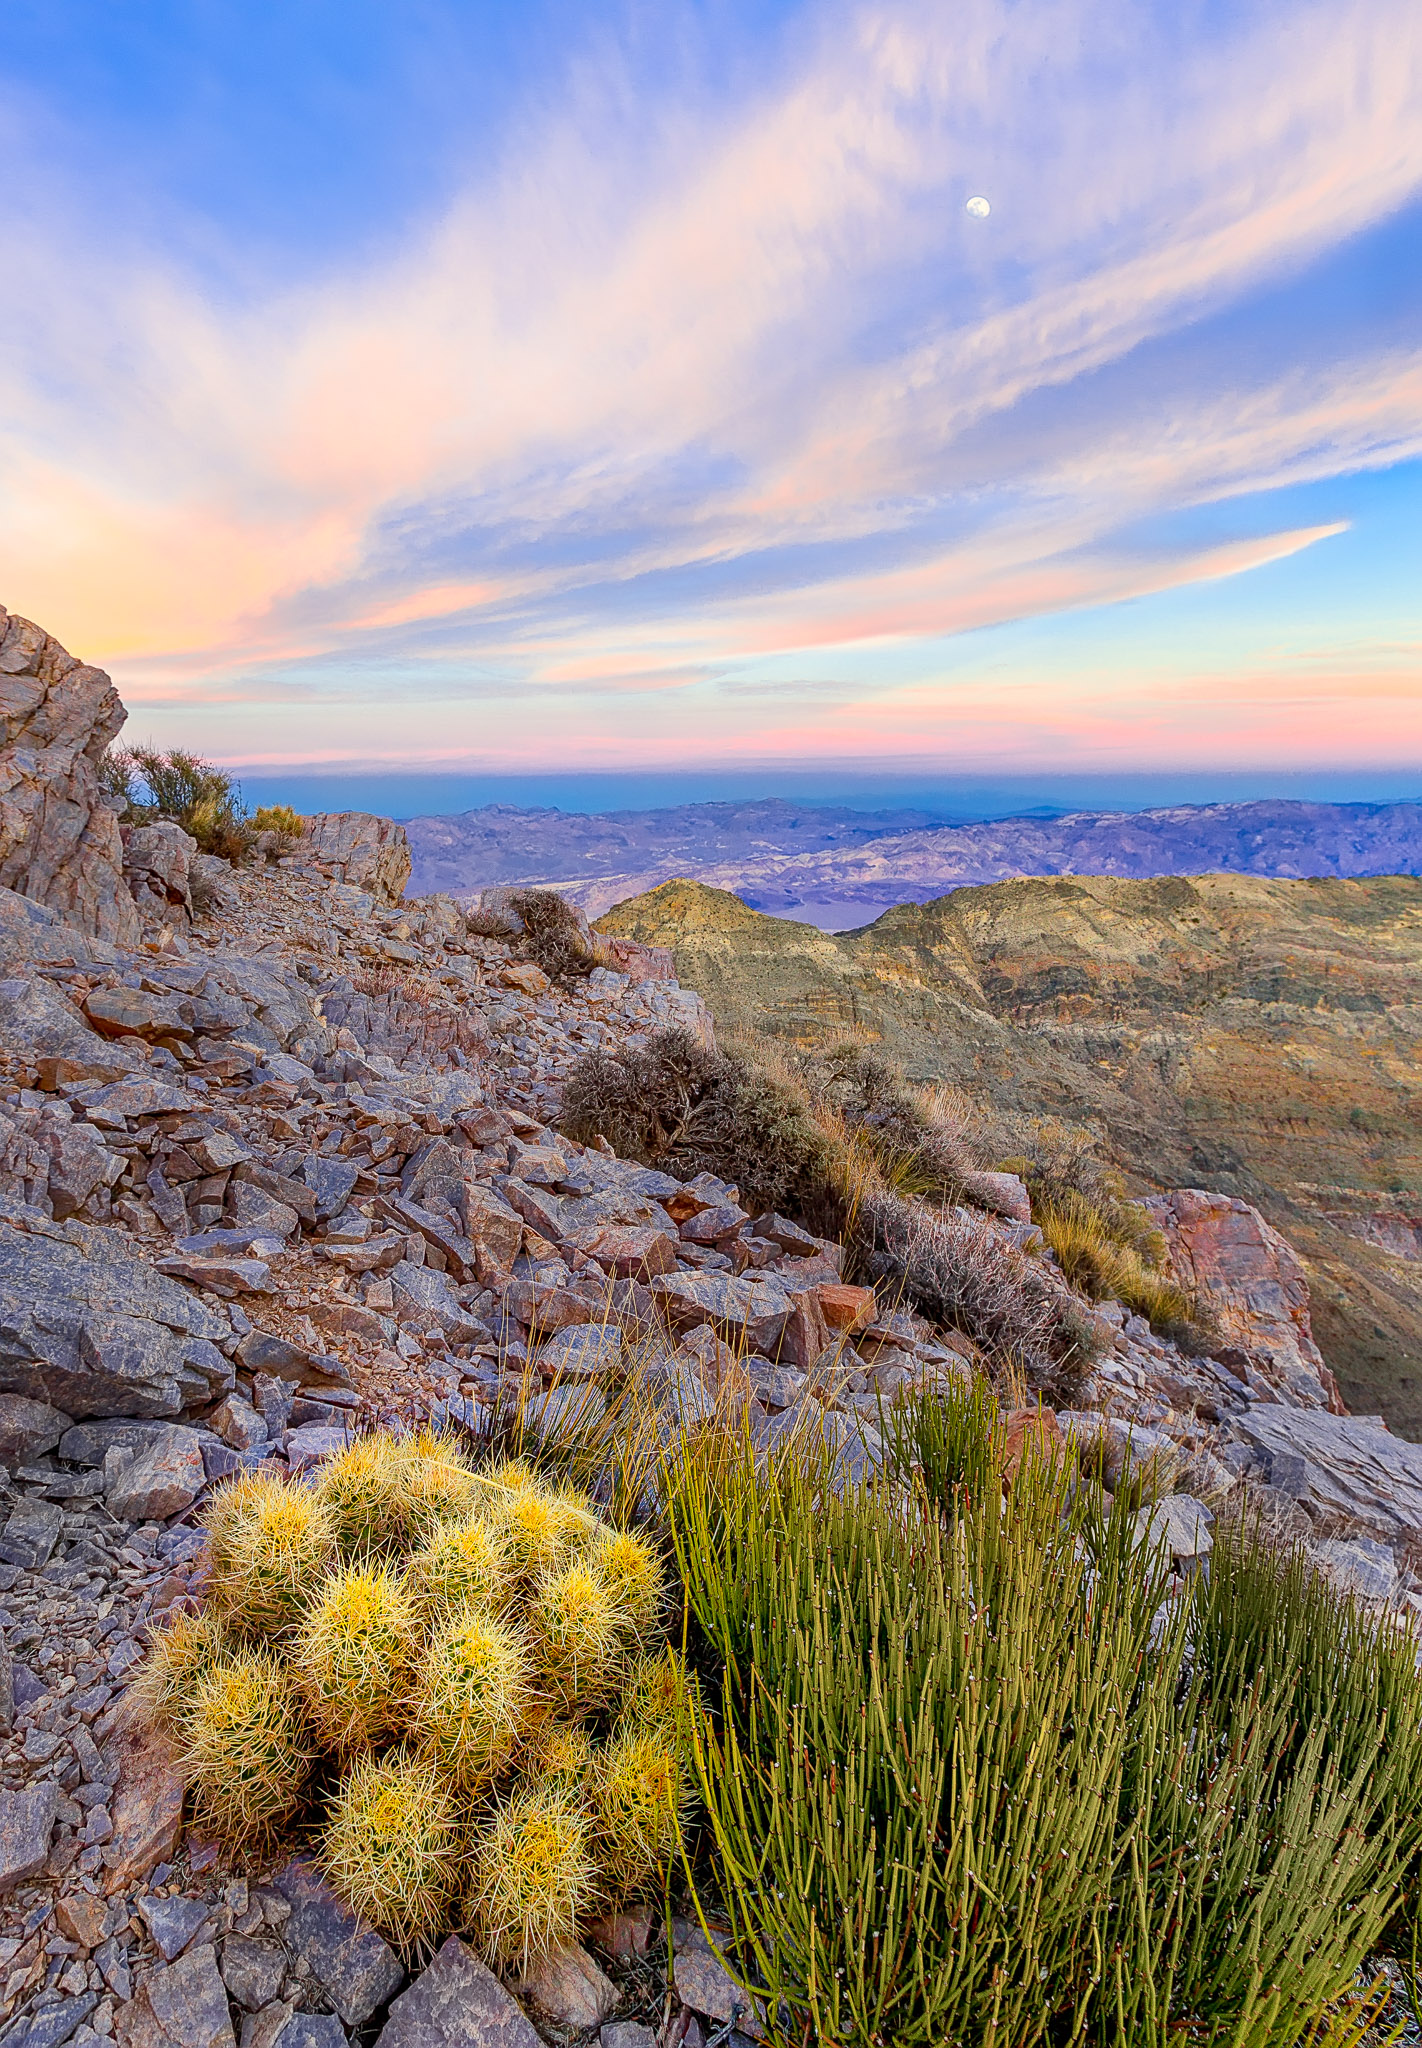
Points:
[(59, 840), (146, 1806), (636, 961), (1253, 1281), (365, 851)]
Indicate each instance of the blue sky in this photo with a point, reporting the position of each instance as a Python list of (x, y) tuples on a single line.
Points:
[(566, 390)]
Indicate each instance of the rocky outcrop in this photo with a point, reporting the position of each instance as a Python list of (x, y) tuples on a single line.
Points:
[(95, 1332), (158, 861), (59, 839), (1252, 1285), (356, 848)]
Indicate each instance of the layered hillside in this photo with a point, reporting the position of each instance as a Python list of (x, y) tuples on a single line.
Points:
[(1258, 1036)]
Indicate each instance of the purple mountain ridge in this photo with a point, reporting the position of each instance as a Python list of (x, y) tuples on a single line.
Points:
[(841, 867)]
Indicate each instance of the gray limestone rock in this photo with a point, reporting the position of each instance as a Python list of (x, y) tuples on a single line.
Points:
[(457, 2003), (252, 1970), (583, 1351), (30, 1533), (188, 2002), (569, 1987), (28, 1427), (252, 1208), (755, 1311), (59, 840), (163, 1479), (331, 1181), (1361, 1567), (26, 1824), (310, 2030), (51, 2026), (35, 1018), (1178, 1523), (97, 1332), (1338, 1467), (356, 1969), (174, 1923)]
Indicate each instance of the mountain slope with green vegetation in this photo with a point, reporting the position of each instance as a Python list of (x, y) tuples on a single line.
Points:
[(1257, 1036)]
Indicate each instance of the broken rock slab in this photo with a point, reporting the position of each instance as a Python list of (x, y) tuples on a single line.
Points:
[(569, 1987), (97, 1332), (59, 840), (1341, 1469), (165, 1477), (146, 1808), (753, 1311), (183, 2005), (1254, 1282), (26, 1823), (457, 2003), (356, 1969)]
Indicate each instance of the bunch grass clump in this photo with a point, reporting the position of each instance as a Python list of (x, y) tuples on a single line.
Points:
[(427, 1668)]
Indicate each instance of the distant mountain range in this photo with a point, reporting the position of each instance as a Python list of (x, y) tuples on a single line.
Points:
[(839, 868)]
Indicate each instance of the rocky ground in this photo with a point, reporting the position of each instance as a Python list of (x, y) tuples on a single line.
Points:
[(279, 1158)]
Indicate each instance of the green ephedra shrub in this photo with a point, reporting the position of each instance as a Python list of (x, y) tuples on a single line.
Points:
[(981, 1774), (452, 1682)]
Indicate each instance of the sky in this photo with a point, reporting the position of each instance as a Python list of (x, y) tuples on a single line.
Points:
[(582, 390)]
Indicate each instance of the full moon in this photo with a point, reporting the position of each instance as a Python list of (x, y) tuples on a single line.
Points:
[(978, 208)]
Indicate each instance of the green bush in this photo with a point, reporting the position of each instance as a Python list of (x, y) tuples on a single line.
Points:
[(204, 800), (970, 1784)]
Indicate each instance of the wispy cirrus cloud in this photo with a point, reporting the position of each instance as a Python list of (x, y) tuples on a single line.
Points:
[(672, 390)]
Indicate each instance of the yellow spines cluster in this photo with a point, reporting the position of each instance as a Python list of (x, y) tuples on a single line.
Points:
[(438, 1482), (472, 1697), (354, 1654), (481, 1627), (629, 1567), (659, 1697), (534, 1877), (461, 1562), (179, 1657), (271, 1541), (365, 1493), (557, 1753), (246, 1751), (392, 1845), (575, 1628), (638, 1796)]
